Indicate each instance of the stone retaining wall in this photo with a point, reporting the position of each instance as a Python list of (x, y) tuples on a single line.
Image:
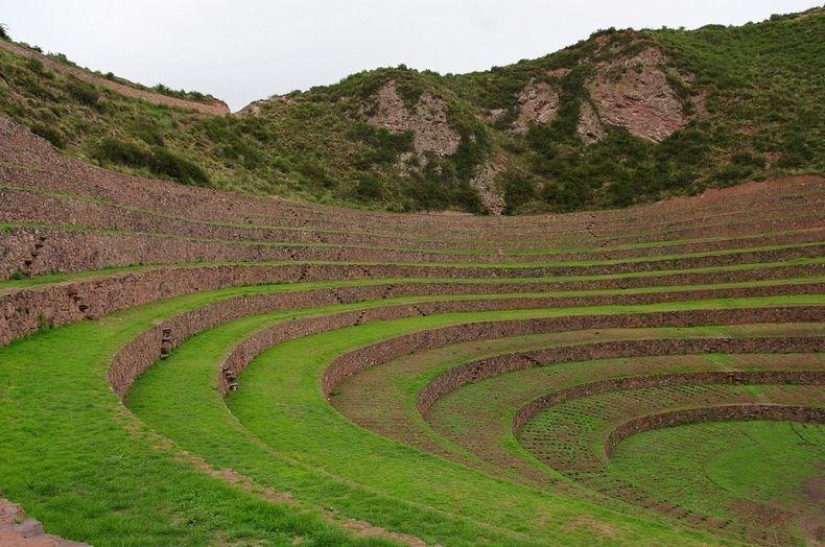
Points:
[(740, 377), (723, 413), (356, 361), (41, 251), (24, 311), (146, 349), (21, 205)]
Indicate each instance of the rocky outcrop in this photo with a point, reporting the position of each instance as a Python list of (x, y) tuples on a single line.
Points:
[(590, 128), (432, 133), (538, 103), (484, 183), (633, 92), (255, 108)]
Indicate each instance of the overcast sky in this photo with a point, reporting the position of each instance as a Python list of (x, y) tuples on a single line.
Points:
[(245, 50)]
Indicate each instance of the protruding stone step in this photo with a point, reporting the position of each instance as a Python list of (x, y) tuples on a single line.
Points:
[(419, 311), (18, 530), (28, 528)]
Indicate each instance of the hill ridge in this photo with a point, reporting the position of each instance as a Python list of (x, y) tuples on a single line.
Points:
[(622, 117)]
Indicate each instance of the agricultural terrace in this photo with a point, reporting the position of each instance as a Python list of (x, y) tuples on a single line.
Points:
[(181, 366)]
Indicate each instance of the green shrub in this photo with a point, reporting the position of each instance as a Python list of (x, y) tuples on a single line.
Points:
[(43, 324), (368, 187), (731, 174), (61, 58), (173, 166), (748, 159), (568, 196), (35, 86), (383, 147), (83, 92), (475, 144), (181, 93), (111, 150), (36, 66), (438, 187), (158, 160), (148, 134), (621, 193), (519, 191), (315, 174), (4, 32), (50, 133)]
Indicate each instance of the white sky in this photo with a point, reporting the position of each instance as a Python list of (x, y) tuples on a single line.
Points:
[(245, 50)]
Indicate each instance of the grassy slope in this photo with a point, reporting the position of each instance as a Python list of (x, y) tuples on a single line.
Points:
[(673, 467), (762, 461), (133, 485), (760, 85), (306, 429), (479, 415), (77, 462), (85, 417)]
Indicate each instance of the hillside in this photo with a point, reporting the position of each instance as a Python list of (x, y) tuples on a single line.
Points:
[(623, 117)]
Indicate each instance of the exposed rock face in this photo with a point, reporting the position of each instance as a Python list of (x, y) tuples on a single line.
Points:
[(590, 128), (494, 115), (392, 115), (252, 109), (256, 107), (432, 133), (538, 104), (484, 183), (633, 92)]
